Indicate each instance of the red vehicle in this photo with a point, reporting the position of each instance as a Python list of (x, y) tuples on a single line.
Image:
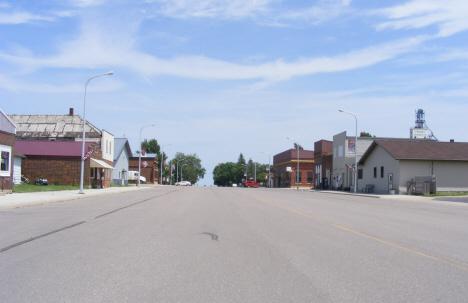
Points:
[(250, 184)]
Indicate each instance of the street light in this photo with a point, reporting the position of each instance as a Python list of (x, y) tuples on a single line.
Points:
[(297, 172), (162, 160), (177, 178), (84, 126), (181, 168), (255, 171), (269, 177), (139, 157), (355, 151)]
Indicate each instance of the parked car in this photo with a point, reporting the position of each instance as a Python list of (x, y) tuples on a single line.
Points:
[(142, 179), (41, 182), (183, 183), (250, 184)]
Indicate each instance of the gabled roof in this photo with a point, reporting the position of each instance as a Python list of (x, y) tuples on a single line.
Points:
[(31, 148), (119, 145), (6, 124), (420, 150), (55, 126)]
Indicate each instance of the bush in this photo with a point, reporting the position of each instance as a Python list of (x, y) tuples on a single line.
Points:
[(94, 184), (57, 182)]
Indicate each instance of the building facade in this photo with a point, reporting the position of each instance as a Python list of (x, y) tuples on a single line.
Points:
[(60, 163), (323, 156), (150, 171), (390, 164), (7, 143), (122, 154), (285, 168)]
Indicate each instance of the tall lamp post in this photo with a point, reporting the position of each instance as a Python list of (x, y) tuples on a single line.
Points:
[(297, 172), (84, 132), (355, 152), (162, 159), (269, 176), (177, 178), (139, 157), (181, 168)]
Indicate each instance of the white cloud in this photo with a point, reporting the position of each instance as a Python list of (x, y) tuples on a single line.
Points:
[(86, 3), (211, 8), (451, 16), (21, 17), (96, 48)]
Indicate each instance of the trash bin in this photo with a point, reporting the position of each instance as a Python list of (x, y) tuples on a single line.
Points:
[(325, 183)]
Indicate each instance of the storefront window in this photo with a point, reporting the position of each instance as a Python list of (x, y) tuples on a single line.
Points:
[(5, 162)]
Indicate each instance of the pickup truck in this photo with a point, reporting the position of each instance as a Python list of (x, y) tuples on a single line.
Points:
[(250, 184)]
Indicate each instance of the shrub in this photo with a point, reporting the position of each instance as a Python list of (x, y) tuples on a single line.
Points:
[(57, 182)]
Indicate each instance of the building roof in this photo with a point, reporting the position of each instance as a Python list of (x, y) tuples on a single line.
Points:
[(6, 124), (32, 148), (291, 155), (119, 145), (52, 126), (421, 150)]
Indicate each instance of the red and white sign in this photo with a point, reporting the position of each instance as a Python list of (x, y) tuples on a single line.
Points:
[(144, 164)]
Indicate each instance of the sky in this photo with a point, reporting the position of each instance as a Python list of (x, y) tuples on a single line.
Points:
[(220, 78)]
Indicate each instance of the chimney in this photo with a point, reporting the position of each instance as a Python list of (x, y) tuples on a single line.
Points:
[(452, 140), (71, 112)]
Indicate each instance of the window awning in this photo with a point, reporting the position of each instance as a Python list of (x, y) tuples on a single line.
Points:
[(99, 164)]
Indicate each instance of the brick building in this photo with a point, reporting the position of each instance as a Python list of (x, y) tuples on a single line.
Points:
[(61, 161), (7, 142), (285, 166), (323, 155), (151, 171)]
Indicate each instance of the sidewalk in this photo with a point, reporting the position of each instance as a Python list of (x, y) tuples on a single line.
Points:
[(15, 200)]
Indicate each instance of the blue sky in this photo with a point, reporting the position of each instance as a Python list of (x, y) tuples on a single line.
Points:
[(220, 78)]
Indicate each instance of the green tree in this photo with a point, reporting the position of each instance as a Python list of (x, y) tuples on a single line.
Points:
[(224, 174), (192, 170), (364, 134), (152, 146), (300, 147)]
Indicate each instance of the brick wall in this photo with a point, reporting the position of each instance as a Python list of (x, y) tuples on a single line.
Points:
[(66, 170), (7, 139)]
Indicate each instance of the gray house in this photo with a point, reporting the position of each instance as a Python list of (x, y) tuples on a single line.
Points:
[(391, 164), (122, 154)]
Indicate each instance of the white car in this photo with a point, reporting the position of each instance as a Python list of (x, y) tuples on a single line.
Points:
[(183, 183), (142, 179)]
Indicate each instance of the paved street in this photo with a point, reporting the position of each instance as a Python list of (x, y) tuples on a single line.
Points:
[(207, 244)]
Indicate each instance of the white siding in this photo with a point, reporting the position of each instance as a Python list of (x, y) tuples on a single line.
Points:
[(17, 170)]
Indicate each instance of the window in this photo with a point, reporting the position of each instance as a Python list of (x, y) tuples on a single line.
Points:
[(310, 176), (91, 173), (340, 151), (381, 171), (359, 173), (5, 163), (300, 177), (107, 147), (107, 172), (375, 172), (110, 148)]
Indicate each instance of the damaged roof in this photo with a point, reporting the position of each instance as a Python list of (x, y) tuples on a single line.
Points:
[(53, 126)]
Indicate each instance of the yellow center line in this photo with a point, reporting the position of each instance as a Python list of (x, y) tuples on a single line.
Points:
[(440, 259)]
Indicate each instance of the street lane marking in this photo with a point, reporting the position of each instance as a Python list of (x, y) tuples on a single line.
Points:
[(76, 224), (440, 259)]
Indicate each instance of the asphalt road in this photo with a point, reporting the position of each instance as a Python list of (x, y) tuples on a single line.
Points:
[(203, 244)]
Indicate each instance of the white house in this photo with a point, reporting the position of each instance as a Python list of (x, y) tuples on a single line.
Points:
[(122, 154)]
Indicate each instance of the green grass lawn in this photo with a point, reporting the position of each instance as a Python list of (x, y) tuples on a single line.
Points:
[(451, 194), (31, 188)]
